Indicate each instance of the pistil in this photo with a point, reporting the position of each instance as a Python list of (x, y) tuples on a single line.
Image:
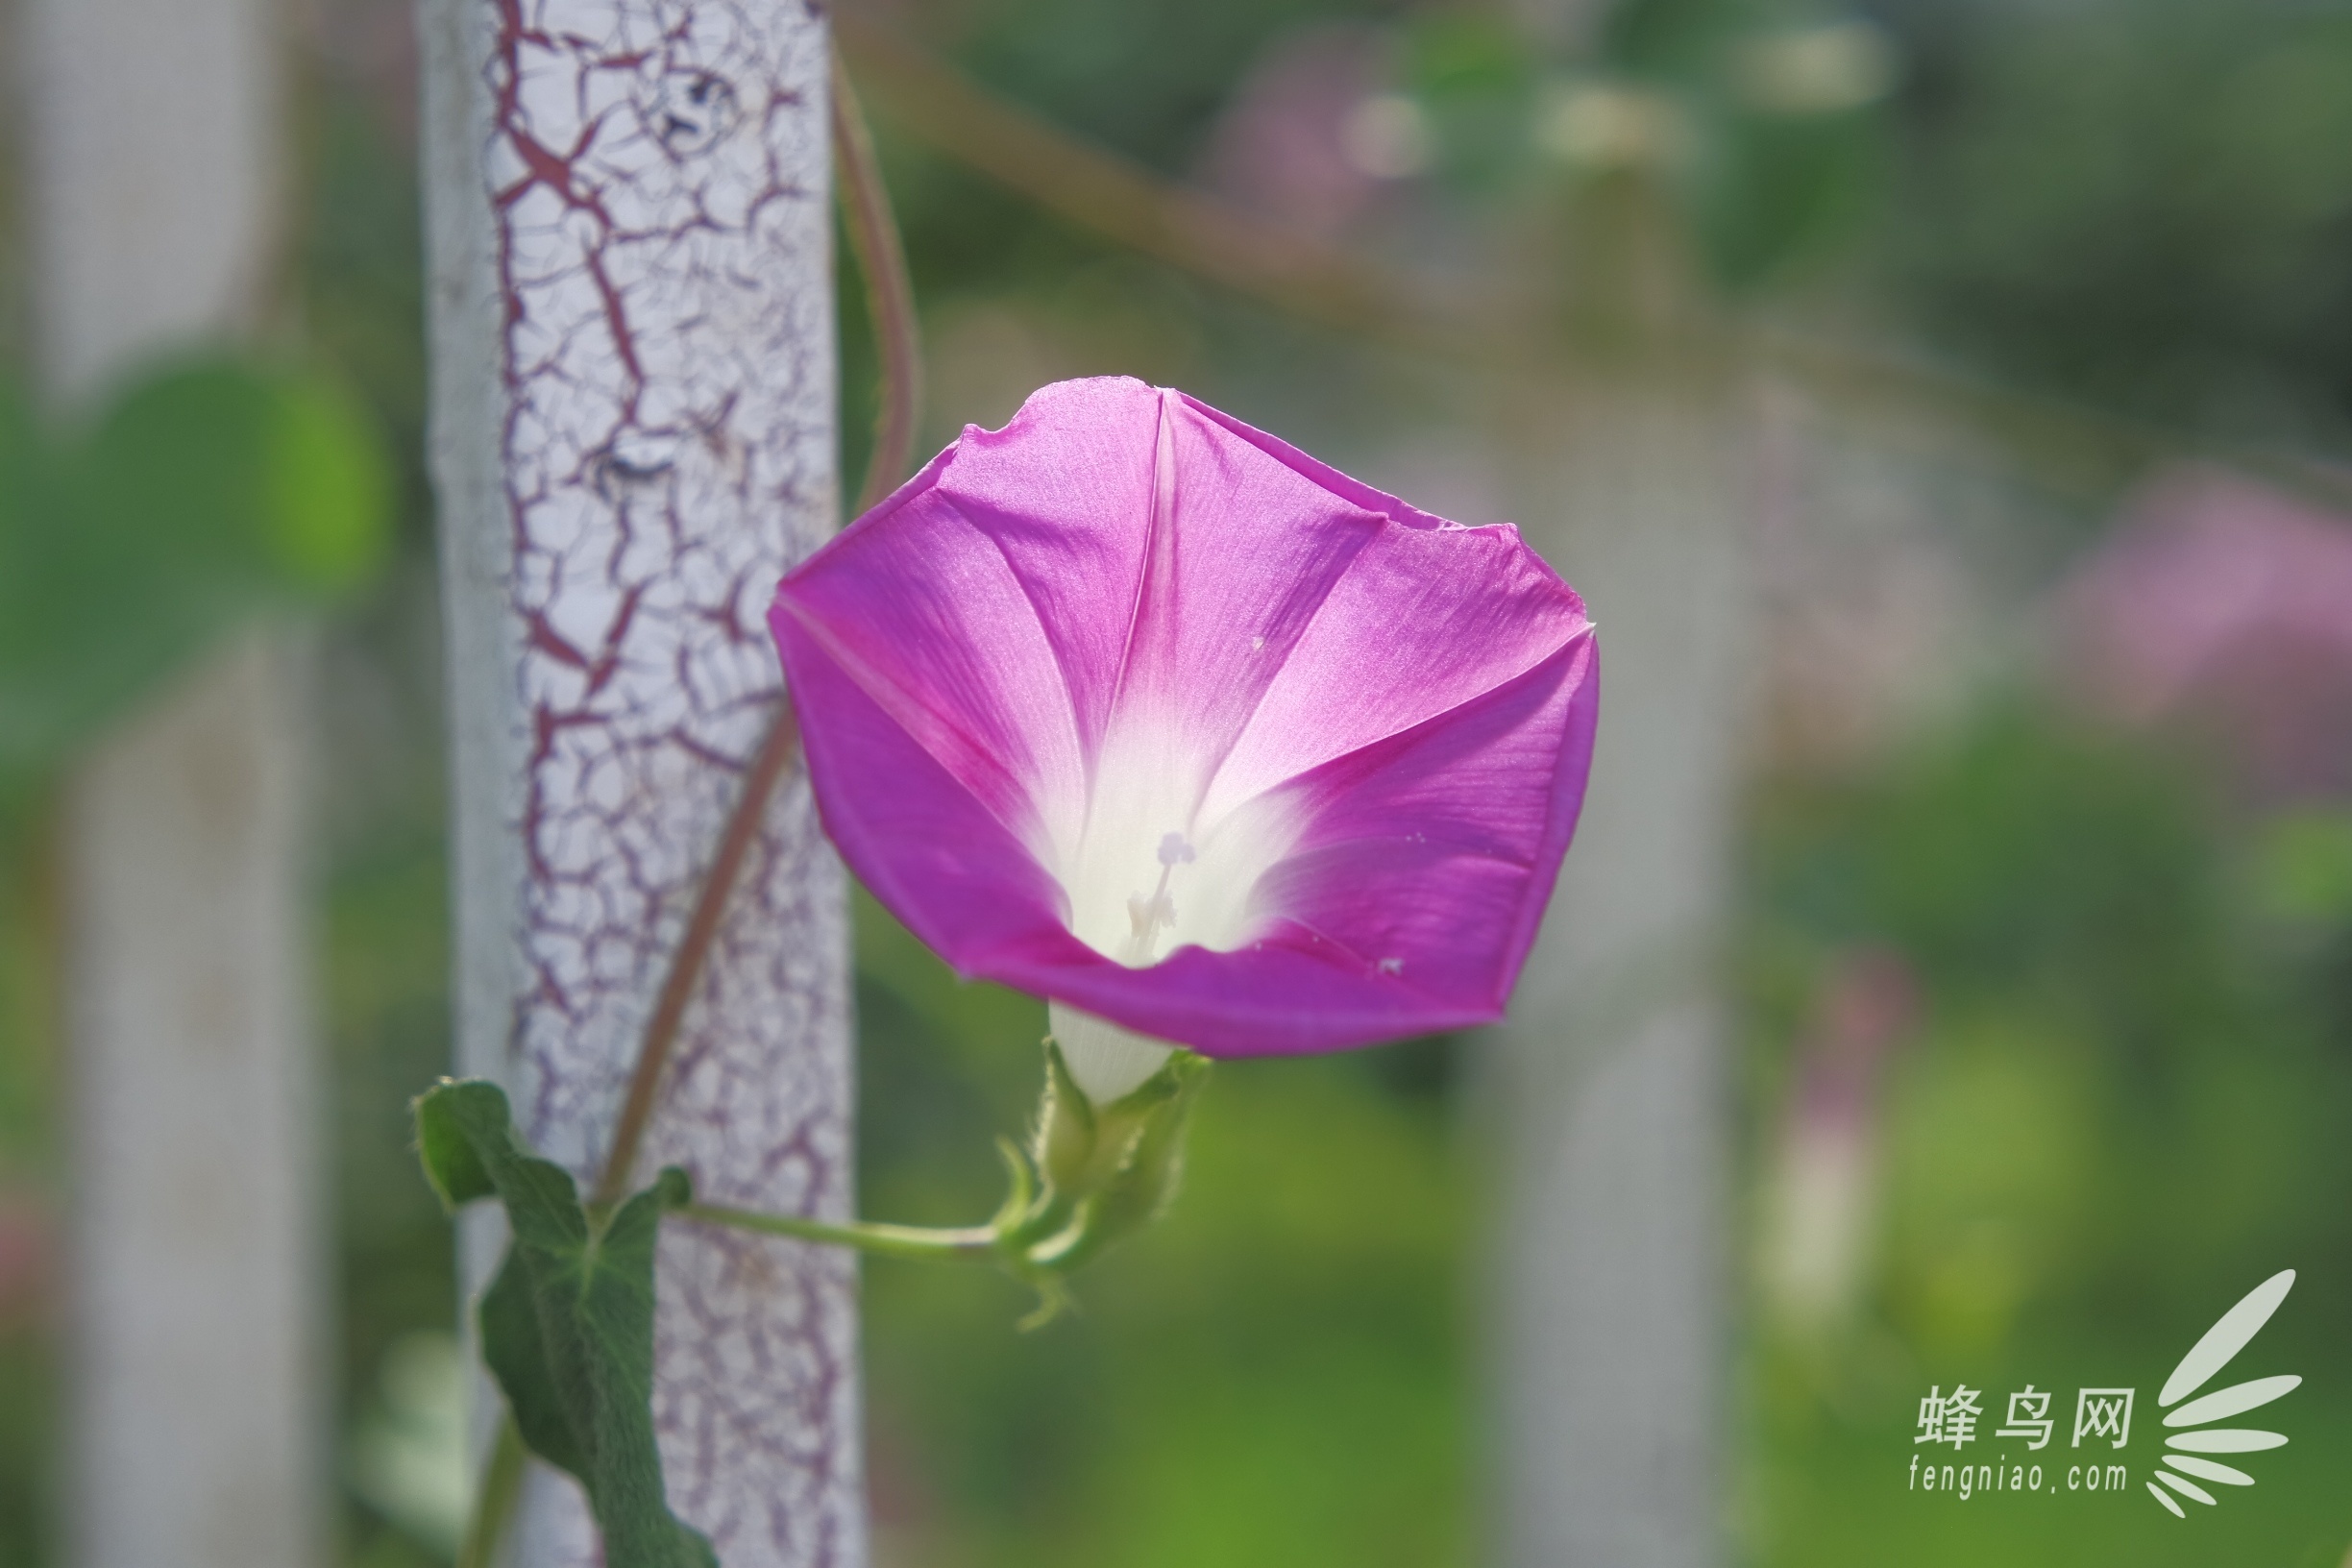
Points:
[(1148, 916)]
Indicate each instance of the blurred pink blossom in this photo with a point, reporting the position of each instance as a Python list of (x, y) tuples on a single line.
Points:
[(1301, 141), (2222, 600), (27, 1244), (1820, 1205)]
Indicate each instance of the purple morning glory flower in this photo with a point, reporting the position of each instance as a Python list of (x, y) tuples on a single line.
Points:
[(1137, 708)]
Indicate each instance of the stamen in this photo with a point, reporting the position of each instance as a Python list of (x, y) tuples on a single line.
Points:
[(1146, 916)]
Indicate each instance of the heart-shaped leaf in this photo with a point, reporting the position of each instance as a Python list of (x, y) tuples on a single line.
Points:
[(568, 1324)]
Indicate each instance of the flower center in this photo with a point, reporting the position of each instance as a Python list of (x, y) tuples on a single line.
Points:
[(1144, 871)]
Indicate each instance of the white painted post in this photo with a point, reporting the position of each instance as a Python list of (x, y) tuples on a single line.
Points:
[(633, 435), (1610, 1354), (195, 1395)]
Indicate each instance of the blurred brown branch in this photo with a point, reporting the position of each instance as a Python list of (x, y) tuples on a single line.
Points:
[(890, 295), (1123, 202), (2076, 451)]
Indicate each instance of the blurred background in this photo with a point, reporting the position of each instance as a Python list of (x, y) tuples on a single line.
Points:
[(1989, 362)]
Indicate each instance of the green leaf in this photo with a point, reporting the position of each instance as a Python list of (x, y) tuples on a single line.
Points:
[(446, 1118), (327, 524), (511, 1347), (568, 1324), (211, 491), (266, 484)]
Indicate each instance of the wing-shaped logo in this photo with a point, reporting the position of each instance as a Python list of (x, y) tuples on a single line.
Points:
[(2194, 1434)]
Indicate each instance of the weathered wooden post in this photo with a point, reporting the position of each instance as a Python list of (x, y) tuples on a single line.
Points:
[(195, 1398), (1615, 1313), (633, 435), (1612, 1339)]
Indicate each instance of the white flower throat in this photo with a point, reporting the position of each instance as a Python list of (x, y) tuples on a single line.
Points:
[(1146, 871), (1146, 865)]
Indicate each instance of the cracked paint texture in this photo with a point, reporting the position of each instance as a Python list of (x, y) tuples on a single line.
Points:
[(657, 173)]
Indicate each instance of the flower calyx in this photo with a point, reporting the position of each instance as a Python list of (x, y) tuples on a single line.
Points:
[(1093, 1173)]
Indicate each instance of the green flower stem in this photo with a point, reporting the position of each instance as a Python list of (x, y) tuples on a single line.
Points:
[(494, 1499), (1097, 1173), (975, 1243)]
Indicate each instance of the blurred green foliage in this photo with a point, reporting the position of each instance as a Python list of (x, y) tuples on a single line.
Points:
[(1775, 152), (1478, 83), (388, 1026), (1276, 1372), (2121, 1108), (2146, 203), (203, 494)]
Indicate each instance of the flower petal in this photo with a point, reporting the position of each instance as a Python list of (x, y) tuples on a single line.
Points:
[(1432, 854), (1064, 492), (1422, 622), (930, 620), (919, 838), (1288, 994), (1243, 552)]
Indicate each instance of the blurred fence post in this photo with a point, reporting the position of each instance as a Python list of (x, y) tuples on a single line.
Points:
[(195, 1402), (1611, 1359), (633, 435)]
